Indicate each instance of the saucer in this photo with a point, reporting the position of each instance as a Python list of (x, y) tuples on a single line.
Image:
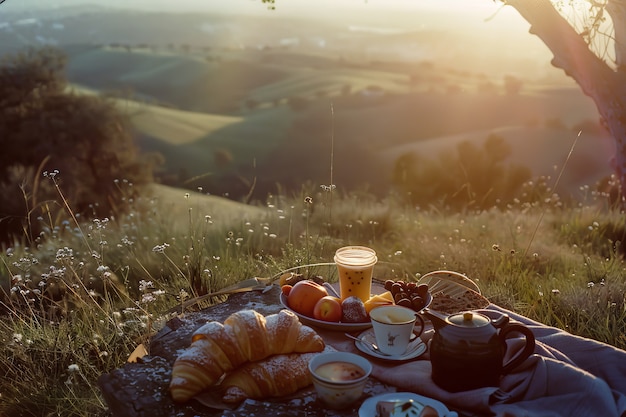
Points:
[(416, 347), (368, 408)]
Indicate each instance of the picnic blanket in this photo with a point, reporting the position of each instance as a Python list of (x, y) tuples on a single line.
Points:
[(567, 376)]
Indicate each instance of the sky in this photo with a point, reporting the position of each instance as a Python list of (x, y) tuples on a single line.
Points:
[(473, 7)]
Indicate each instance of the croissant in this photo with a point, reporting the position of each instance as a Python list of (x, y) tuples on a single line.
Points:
[(273, 377), (245, 336)]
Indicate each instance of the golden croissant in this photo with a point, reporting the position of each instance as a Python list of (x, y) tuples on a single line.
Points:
[(245, 336), (273, 377)]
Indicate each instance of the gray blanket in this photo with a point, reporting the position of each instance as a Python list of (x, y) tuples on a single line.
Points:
[(567, 376)]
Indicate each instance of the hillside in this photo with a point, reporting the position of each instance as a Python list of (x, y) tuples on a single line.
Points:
[(178, 206), (241, 104)]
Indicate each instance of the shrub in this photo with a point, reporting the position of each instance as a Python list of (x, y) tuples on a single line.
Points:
[(472, 178), (46, 127)]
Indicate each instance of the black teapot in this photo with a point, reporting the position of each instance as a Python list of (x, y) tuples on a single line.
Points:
[(468, 349)]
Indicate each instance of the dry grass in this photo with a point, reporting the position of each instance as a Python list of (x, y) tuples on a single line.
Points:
[(561, 266)]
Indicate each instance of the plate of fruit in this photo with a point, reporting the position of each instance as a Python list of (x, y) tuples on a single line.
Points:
[(316, 303)]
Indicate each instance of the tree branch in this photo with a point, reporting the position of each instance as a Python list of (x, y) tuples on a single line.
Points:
[(617, 11), (571, 53)]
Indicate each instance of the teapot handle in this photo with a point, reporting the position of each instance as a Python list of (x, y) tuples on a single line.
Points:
[(529, 347)]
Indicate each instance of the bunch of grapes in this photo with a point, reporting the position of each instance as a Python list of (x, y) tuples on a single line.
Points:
[(408, 294)]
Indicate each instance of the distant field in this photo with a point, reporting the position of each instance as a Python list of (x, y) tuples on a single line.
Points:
[(239, 103), (175, 127), (180, 207)]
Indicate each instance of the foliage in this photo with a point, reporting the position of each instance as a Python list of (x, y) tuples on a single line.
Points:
[(471, 178), (46, 127)]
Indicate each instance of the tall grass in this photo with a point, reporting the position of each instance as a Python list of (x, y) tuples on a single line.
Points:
[(84, 295)]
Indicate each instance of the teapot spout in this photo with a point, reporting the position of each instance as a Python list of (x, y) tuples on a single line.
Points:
[(438, 319)]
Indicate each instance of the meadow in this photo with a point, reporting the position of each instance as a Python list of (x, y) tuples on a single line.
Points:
[(83, 296)]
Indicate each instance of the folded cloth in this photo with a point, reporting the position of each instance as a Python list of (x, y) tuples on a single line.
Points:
[(567, 376)]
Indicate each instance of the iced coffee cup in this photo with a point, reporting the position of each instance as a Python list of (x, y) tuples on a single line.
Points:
[(355, 265)]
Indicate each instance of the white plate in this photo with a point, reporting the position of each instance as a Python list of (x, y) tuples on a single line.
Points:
[(368, 408), (310, 321), (416, 347)]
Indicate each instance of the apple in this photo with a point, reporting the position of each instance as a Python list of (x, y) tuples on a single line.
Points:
[(328, 308), (304, 295)]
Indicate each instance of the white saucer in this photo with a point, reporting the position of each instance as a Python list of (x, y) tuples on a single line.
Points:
[(368, 408), (416, 347)]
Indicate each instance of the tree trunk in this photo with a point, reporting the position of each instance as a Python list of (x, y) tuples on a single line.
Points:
[(597, 79)]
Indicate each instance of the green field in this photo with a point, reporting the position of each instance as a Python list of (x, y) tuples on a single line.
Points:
[(225, 119)]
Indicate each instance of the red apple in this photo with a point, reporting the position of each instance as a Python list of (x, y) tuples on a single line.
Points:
[(304, 295), (328, 308)]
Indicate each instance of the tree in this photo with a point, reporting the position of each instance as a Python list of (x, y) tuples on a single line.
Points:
[(45, 127), (588, 41), (468, 177)]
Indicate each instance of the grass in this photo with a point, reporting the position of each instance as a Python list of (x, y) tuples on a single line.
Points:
[(83, 296)]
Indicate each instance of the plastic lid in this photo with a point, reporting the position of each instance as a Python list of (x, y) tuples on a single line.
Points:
[(356, 256)]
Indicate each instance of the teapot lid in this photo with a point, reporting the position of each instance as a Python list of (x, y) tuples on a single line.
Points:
[(469, 319)]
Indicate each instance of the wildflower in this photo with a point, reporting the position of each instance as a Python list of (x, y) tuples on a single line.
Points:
[(590, 284), (145, 285), (64, 253), (52, 174), (73, 368), (556, 292), (183, 295), (308, 200), (17, 337), (495, 247), (148, 298), (160, 248)]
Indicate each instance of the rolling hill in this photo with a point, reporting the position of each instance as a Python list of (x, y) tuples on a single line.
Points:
[(240, 103)]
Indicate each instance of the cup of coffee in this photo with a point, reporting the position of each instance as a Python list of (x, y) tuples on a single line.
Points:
[(339, 378), (393, 326), (355, 265)]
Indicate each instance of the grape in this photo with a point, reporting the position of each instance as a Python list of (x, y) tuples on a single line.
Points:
[(404, 302), (408, 294), (417, 303), (396, 288), (422, 290)]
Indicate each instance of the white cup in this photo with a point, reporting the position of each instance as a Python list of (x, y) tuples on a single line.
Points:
[(393, 326)]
